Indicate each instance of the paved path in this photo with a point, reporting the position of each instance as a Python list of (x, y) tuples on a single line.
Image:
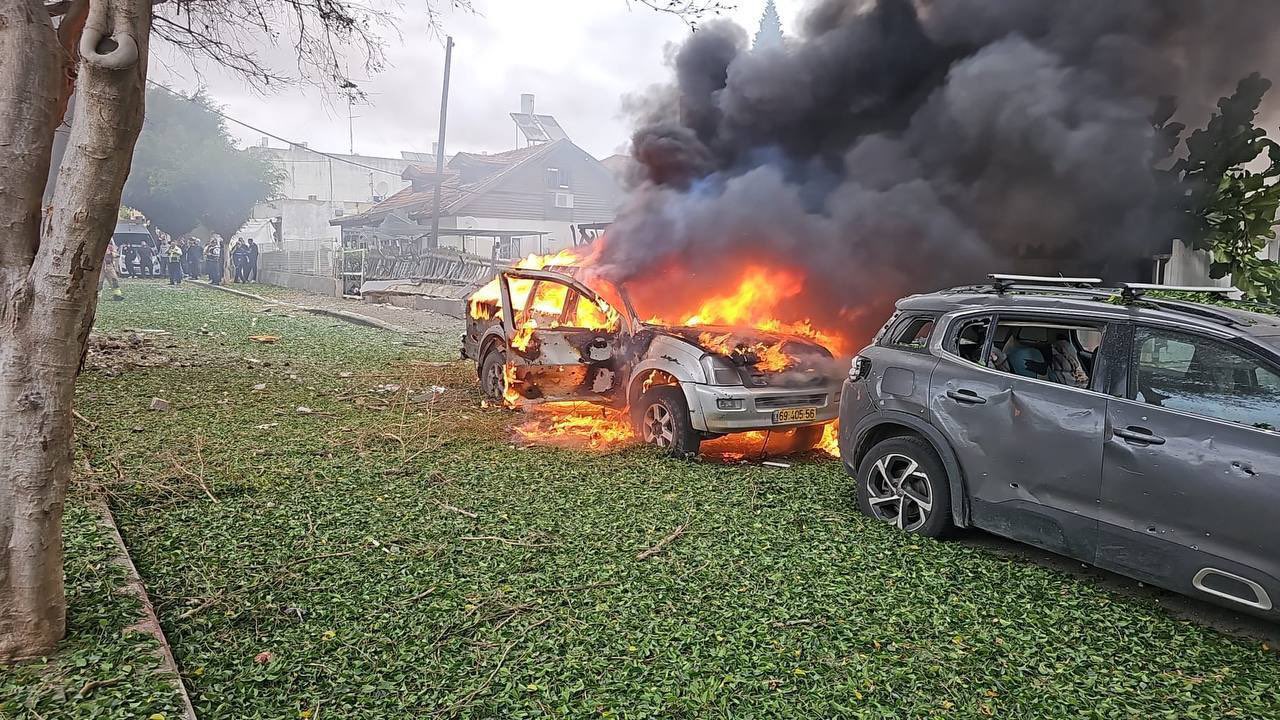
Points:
[(389, 317)]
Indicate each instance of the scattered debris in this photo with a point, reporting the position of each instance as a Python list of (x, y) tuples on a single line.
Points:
[(159, 405), (266, 339), (264, 657), (775, 464), (430, 394), (344, 374), (266, 426), (304, 410), (260, 387), (112, 355)]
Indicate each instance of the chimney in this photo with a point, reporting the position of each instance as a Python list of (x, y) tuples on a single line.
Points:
[(526, 103)]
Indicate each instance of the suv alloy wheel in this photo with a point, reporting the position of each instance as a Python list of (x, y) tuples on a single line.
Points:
[(902, 482)]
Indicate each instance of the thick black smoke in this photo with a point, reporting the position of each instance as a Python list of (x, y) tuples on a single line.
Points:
[(902, 146)]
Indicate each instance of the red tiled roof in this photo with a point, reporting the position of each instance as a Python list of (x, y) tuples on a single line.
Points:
[(418, 199)]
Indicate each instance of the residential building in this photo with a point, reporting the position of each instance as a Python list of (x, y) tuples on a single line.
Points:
[(528, 200)]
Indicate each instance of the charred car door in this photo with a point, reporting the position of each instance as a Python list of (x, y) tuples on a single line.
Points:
[(1191, 484), (1030, 446), (565, 342)]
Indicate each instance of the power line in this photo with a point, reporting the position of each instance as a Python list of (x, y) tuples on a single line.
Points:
[(291, 143)]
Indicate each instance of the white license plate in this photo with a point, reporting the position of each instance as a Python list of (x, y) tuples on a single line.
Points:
[(795, 415)]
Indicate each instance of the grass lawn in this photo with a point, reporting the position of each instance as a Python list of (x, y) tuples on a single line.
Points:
[(100, 671), (386, 552)]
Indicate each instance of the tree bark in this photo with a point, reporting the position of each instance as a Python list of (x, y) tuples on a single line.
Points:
[(49, 277)]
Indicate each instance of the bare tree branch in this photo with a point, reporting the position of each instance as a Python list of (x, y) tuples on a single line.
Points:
[(691, 11)]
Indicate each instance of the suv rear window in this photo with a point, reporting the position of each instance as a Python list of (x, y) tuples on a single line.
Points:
[(912, 333)]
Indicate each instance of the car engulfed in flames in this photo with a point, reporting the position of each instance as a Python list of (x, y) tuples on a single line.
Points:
[(551, 336)]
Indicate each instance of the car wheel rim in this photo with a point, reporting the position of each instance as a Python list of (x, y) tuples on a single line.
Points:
[(494, 381), (899, 492), (659, 426)]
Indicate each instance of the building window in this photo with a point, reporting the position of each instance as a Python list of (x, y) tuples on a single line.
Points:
[(557, 178)]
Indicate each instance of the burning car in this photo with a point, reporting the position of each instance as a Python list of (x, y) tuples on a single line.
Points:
[(548, 333)]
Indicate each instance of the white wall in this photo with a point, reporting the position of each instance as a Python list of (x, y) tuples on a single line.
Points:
[(316, 189), (1191, 267), (310, 174)]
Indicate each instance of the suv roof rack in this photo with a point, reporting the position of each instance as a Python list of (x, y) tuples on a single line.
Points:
[(1133, 291), (1125, 292), (1002, 283)]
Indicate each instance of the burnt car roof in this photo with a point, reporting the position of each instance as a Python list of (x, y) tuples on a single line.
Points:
[(1101, 303)]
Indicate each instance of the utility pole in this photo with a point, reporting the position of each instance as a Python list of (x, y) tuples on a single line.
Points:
[(351, 128), (444, 114)]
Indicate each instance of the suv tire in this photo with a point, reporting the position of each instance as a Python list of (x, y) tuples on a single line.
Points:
[(901, 481), (661, 418), (493, 381)]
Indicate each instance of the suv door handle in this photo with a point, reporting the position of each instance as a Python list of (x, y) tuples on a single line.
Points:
[(1135, 434), (967, 397)]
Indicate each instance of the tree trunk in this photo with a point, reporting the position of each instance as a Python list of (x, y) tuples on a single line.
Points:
[(49, 277)]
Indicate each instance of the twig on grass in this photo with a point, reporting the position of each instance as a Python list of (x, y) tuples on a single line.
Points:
[(469, 697), (460, 511), (92, 685), (577, 588), (313, 558), (504, 541), (419, 596), (198, 477), (664, 542), (201, 607), (92, 425)]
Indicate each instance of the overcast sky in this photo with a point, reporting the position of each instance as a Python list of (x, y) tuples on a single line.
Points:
[(579, 57)]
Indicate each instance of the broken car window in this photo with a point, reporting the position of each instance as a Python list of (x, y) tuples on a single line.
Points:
[(1049, 350), (584, 313), (545, 304), (1205, 377), (913, 334), (969, 339)]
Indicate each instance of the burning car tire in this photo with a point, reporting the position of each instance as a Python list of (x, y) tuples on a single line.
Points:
[(661, 418), (804, 438), (902, 482), (493, 381)]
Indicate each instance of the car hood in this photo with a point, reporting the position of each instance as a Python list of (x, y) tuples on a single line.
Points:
[(711, 337)]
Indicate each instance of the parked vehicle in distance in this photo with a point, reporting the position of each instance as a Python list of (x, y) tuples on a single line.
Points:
[(1134, 433), (565, 341), (130, 235)]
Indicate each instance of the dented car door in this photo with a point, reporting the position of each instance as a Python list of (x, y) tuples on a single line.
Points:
[(565, 341), (1191, 484), (1030, 449)]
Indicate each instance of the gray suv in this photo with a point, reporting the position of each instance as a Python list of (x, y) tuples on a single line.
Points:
[(1131, 432)]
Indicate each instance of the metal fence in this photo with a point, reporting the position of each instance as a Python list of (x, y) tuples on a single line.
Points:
[(301, 257)]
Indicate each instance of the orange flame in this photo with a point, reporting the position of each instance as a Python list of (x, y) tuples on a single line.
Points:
[(770, 358), (483, 303), (576, 424), (830, 443), (754, 303)]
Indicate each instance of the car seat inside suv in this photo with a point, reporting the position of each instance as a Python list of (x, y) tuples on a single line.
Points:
[(1027, 349)]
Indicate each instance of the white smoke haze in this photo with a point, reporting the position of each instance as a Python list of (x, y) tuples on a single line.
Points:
[(898, 147)]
